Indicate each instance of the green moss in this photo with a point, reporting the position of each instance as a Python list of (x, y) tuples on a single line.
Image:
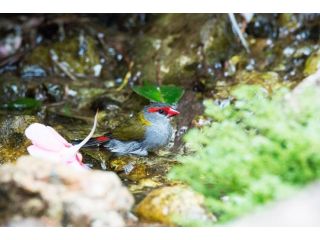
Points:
[(67, 52), (269, 80), (170, 48), (257, 150)]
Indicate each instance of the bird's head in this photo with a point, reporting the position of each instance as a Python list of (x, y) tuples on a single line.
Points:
[(161, 110)]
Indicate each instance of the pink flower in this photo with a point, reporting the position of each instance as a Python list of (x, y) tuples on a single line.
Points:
[(47, 143)]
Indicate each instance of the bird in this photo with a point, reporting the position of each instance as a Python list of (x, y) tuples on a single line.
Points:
[(148, 130)]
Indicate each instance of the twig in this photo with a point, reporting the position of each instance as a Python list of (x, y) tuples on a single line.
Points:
[(237, 30), (158, 72), (126, 78), (54, 58)]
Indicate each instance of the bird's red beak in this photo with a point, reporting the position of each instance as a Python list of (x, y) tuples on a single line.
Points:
[(171, 112)]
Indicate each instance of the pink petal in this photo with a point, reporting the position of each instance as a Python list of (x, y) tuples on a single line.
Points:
[(55, 156), (59, 137), (49, 144), (35, 151), (45, 137)]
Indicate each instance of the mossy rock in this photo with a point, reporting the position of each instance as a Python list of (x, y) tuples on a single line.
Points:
[(173, 205), (68, 53), (312, 64), (269, 80), (13, 142), (170, 47)]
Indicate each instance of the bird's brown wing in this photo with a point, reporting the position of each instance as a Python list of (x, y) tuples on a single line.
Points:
[(131, 130)]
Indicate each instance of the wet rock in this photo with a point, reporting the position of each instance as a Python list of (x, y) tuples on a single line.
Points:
[(12, 129), (85, 95), (96, 158), (71, 53), (13, 143), (269, 80), (263, 26), (168, 54), (174, 205), (145, 183), (53, 92), (44, 189), (39, 89), (312, 64), (105, 103), (129, 167), (32, 71), (215, 36), (11, 89), (10, 44)]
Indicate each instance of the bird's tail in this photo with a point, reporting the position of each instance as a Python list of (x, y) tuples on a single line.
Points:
[(94, 142)]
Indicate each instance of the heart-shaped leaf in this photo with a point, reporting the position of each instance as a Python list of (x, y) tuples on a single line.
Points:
[(166, 93)]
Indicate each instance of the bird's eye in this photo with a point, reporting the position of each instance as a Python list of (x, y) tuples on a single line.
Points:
[(161, 111)]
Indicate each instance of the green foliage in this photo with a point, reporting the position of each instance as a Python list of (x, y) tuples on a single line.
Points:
[(256, 150), (165, 94), (22, 104)]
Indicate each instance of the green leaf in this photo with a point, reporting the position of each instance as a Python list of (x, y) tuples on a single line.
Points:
[(22, 103), (166, 93)]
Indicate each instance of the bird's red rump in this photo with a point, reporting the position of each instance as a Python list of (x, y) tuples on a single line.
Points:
[(102, 139)]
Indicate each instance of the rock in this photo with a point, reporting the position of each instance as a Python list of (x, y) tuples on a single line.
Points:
[(174, 205), (13, 143), (312, 64), (269, 80), (105, 103), (164, 50), (79, 61), (32, 71), (36, 188), (263, 26), (30, 222), (12, 129), (42, 89), (129, 167)]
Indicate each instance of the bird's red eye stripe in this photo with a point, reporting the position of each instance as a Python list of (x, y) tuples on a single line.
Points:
[(168, 111), (154, 109)]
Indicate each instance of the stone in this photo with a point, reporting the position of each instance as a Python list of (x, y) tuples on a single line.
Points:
[(38, 188), (312, 63), (13, 143), (174, 205), (173, 55)]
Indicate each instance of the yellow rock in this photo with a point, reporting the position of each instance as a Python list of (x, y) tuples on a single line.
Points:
[(174, 205), (312, 63)]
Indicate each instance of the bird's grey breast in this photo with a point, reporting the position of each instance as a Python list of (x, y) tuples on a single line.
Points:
[(158, 134)]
